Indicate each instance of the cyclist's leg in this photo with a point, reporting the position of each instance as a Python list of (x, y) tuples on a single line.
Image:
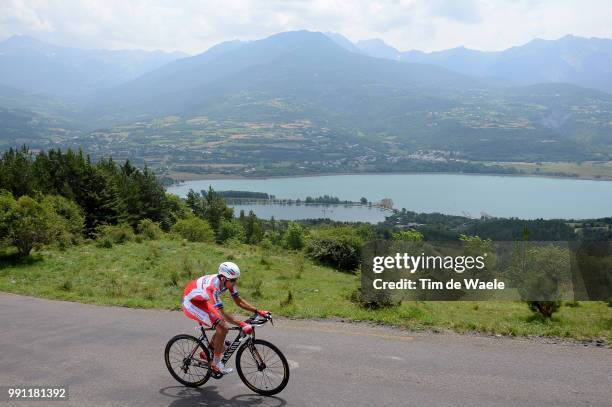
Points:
[(218, 340), (218, 344), (213, 340), (197, 312)]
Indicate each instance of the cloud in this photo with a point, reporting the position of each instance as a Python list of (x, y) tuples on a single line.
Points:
[(467, 11), (193, 25)]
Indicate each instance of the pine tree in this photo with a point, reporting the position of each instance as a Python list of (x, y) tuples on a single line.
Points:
[(253, 229), (16, 172)]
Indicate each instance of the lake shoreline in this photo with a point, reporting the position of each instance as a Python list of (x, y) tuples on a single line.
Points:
[(496, 195), (220, 177)]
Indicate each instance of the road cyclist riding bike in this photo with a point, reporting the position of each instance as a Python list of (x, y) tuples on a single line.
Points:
[(192, 360), (202, 303)]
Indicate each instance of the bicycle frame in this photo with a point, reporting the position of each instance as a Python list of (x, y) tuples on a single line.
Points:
[(254, 321), (233, 346)]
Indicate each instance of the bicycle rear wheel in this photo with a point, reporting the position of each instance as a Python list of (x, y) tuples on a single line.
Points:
[(262, 367), (183, 356)]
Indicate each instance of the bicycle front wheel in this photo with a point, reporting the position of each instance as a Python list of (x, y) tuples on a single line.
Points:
[(262, 367)]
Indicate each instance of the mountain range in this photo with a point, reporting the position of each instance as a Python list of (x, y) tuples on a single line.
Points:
[(311, 74), (32, 65), (580, 61), (519, 104)]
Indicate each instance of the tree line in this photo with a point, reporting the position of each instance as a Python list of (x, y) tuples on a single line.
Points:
[(106, 192), (63, 196)]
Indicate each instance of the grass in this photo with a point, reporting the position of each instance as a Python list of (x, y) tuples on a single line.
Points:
[(153, 274), (601, 170)]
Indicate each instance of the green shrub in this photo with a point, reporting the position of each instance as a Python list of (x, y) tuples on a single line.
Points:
[(25, 222), (294, 236), (194, 230), (230, 230), (149, 230), (266, 245), (408, 236), (71, 221), (275, 237), (544, 271), (382, 300), (177, 209), (252, 229), (339, 248), (544, 309), (104, 242), (118, 234)]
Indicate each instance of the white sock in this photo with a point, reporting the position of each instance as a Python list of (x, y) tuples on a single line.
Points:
[(217, 359)]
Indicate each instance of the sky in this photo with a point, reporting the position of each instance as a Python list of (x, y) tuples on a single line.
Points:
[(193, 26)]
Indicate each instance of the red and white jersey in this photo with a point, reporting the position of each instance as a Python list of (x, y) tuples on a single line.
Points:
[(207, 288)]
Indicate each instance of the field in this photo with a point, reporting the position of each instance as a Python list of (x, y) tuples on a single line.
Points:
[(600, 170), (152, 274)]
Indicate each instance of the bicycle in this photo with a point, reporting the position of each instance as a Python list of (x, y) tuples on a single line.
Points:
[(261, 366)]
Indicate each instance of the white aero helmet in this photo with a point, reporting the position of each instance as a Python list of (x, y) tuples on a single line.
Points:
[(229, 270)]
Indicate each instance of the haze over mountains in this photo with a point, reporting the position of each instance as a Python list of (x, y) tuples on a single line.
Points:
[(362, 94), (576, 60), (36, 66), (33, 65), (310, 73)]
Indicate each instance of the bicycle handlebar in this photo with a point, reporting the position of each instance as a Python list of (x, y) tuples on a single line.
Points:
[(254, 319), (257, 319)]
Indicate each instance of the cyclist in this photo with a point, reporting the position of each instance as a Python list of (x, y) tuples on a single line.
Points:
[(202, 302)]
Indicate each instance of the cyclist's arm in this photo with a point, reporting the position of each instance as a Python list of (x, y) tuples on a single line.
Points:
[(218, 305), (228, 317), (242, 303)]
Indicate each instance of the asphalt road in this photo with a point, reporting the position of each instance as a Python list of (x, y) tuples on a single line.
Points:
[(114, 357)]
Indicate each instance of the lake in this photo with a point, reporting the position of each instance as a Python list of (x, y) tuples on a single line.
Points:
[(454, 194)]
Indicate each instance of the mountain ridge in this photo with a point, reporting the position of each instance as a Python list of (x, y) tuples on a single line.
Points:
[(33, 65), (573, 59)]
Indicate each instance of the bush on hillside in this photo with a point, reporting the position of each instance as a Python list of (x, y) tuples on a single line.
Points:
[(150, 230), (294, 236), (194, 229), (26, 222), (336, 247), (230, 230), (544, 309), (70, 217), (381, 300), (117, 234)]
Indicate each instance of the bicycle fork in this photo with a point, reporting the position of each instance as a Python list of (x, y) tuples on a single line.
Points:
[(256, 356)]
